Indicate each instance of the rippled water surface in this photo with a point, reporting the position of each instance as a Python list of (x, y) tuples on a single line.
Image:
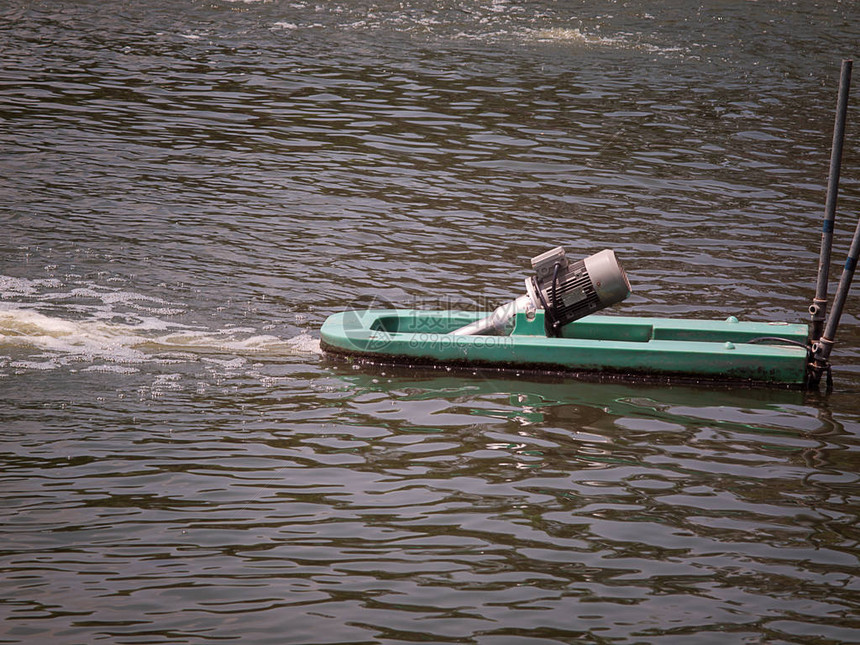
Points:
[(190, 188)]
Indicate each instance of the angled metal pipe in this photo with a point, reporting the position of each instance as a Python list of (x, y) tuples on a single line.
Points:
[(818, 308), (824, 346)]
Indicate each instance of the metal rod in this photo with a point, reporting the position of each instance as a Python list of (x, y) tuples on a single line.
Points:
[(818, 308), (825, 344), (495, 323)]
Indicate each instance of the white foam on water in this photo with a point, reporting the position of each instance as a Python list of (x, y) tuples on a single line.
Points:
[(577, 36), (304, 343), (33, 365), (27, 329), (32, 340), (561, 34), (10, 286), (240, 341), (112, 369), (46, 323)]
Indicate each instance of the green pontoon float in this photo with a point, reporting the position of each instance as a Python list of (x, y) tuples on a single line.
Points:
[(552, 329), (607, 346), (593, 347)]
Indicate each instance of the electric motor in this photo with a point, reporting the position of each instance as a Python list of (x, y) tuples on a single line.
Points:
[(567, 290)]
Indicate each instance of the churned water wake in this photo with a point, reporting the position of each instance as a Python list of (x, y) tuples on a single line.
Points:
[(113, 330)]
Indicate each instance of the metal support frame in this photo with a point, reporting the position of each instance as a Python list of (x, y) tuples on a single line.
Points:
[(822, 334), (818, 308)]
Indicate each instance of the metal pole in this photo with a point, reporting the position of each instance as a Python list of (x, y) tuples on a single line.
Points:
[(825, 344), (818, 308)]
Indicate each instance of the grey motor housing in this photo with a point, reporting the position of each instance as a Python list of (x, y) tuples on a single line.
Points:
[(565, 290), (568, 291)]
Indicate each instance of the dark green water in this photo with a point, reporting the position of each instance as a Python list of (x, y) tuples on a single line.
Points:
[(190, 188)]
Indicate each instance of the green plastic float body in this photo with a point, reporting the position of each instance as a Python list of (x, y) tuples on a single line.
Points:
[(711, 350)]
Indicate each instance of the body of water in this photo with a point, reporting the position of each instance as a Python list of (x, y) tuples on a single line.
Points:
[(189, 188)]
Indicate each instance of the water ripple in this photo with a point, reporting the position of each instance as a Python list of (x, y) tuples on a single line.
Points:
[(189, 194)]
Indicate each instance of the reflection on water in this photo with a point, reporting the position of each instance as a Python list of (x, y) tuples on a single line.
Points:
[(397, 504), (188, 193)]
